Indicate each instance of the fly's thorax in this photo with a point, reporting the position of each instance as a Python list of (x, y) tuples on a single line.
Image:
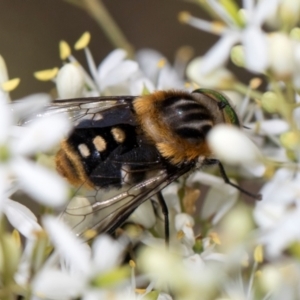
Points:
[(178, 122)]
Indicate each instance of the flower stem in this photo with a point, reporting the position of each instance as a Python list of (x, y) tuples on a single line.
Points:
[(244, 89)]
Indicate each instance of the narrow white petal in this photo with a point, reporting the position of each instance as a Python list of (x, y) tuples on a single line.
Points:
[(170, 194), (248, 5), (23, 275), (67, 244), (263, 10), (56, 285), (69, 82), (281, 54), (256, 53), (110, 62), (148, 60), (144, 215), (119, 74), (218, 201), (91, 64), (270, 127), (168, 78), (283, 235), (221, 11), (43, 185), (21, 218), (231, 145), (219, 53), (5, 186), (138, 86), (185, 223), (107, 253), (29, 105), (6, 120), (43, 134), (219, 78)]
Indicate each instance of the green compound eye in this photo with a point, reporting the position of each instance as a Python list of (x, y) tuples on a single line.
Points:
[(229, 113)]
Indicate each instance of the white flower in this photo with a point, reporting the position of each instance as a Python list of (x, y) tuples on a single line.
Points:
[(114, 76), (278, 214), (144, 215), (69, 82), (115, 70), (220, 198), (281, 55), (21, 218), (231, 145), (158, 70), (18, 142), (81, 265), (256, 53), (219, 78)]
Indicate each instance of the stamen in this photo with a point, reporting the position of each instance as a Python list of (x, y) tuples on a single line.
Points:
[(10, 85), (83, 41), (64, 50), (46, 75)]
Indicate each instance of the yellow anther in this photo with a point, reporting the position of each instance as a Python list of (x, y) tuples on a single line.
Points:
[(290, 140), (132, 264), (215, 238), (83, 41), (16, 236), (180, 235), (255, 83), (46, 75), (184, 17), (258, 254), (90, 234), (161, 63), (10, 85), (217, 27), (64, 50), (140, 291)]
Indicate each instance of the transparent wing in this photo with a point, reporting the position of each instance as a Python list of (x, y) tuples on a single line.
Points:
[(105, 210), (81, 108)]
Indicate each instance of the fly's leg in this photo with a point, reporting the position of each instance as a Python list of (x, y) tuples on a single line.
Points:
[(165, 212), (227, 180)]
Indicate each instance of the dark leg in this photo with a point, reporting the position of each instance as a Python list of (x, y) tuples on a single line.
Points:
[(226, 179), (165, 212)]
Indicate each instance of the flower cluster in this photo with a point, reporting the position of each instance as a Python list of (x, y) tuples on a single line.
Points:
[(221, 247)]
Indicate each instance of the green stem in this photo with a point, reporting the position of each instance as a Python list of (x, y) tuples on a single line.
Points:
[(97, 10), (244, 89)]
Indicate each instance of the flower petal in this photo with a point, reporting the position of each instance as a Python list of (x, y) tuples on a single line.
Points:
[(231, 145), (56, 285), (119, 74), (138, 86), (67, 244), (148, 60), (270, 127), (107, 253), (69, 82), (43, 134), (144, 215), (30, 105), (6, 119), (256, 54), (219, 53), (43, 185), (110, 62), (219, 78), (21, 218), (263, 10)]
